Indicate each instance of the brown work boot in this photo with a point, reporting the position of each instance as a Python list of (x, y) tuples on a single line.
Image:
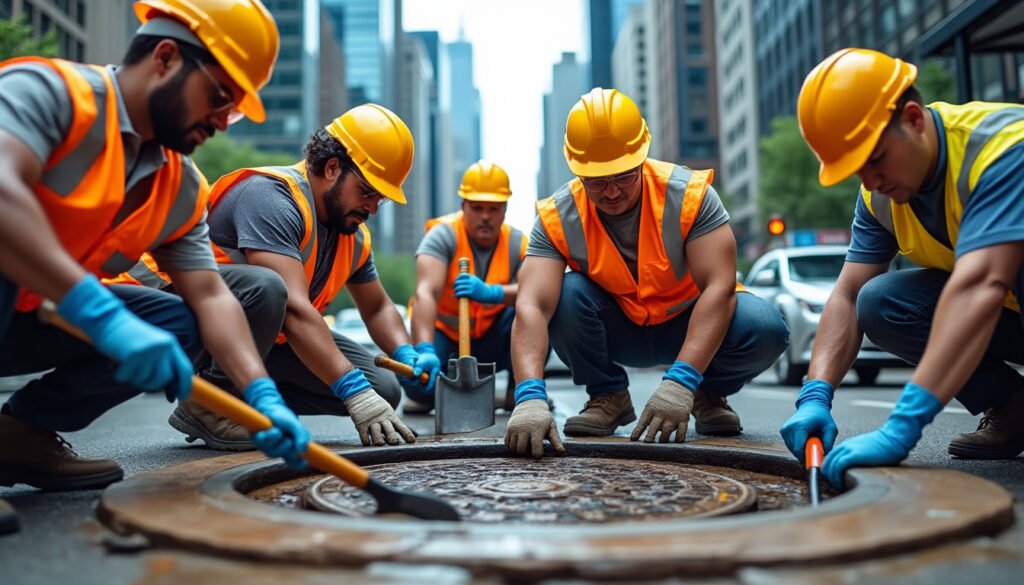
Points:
[(45, 460), (714, 415), (1000, 434), (219, 433), (601, 415)]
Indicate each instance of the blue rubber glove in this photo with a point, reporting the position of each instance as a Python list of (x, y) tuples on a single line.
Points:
[(890, 444), (147, 357), (684, 374), (470, 285), (288, 438), (352, 383), (426, 361), (421, 358), (530, 389), (813, 418)]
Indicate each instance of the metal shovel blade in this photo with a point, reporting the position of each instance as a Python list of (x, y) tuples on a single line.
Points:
[(464, 399)]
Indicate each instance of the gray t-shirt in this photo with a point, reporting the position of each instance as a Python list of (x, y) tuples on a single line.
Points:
[(440, 243), (261, 214), (624, 230), (35, 107)]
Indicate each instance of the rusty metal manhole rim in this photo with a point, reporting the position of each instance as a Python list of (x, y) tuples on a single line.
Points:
[(196, 506)]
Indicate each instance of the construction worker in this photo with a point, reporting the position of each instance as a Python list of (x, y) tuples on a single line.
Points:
[(943, 185), (288, 239), (495, 251), (653, 282), (94, 175)]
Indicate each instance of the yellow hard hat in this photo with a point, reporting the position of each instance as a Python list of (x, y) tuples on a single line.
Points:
[(240, 34), (485, 181), (380, 144), (845, 104), (605, 134)]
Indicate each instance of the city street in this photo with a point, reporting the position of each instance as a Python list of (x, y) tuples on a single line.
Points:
[(62, 542)]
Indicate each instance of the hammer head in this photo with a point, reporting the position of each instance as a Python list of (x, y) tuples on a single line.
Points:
[(464, 399)]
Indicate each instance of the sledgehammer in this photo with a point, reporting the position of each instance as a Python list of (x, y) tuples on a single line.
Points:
[(389, 499)]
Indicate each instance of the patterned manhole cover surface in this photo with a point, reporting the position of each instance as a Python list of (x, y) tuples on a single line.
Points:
[(555, 490)]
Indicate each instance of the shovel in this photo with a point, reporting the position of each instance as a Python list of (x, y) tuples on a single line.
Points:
[(464, 399), (389, 500)]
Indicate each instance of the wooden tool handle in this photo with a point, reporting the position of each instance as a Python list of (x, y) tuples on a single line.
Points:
[(463, 313), (814, 452), (229, 406), (383, 361)]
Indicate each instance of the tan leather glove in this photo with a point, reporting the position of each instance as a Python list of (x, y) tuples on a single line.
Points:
[(667, 412), (376, 421), (531, 422)]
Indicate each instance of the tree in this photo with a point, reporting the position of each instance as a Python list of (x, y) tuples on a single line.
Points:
[(221, 155), (936, 83), (16, 40), (789, 183)]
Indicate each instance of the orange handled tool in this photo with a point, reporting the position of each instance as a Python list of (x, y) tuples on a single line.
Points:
[(814, 453), (463, 313), (389, 499), (383, 361)]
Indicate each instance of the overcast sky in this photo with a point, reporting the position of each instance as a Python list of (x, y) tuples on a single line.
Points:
[(515, 44)]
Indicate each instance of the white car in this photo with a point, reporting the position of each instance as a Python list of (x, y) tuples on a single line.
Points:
[(798, 281)]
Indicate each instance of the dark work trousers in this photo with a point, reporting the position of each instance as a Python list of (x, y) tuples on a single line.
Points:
[(263, 296), (895, 310), (595, 338), (81, 387), (495, 345)]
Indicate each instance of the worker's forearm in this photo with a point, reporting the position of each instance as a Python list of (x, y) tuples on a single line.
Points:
[(964, 321), (709, 322), (529, 343), (226, 336), (31, 255), (511, 293), (837, 341), (387, 329), (424, 311), (313, 343)]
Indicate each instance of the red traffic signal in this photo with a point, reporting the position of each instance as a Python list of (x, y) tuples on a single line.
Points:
[(776, 226)]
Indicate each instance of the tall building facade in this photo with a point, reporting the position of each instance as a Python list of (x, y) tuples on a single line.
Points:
[(92, 32), (568, 83), (788, 45), (630, 68), (683, 114), (737, 106), (361, 28), (462, 102), (440, 165), (604, 19)]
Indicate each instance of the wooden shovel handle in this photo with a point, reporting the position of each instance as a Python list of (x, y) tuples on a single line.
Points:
[(463, 313), (383, 361), (229, 406)]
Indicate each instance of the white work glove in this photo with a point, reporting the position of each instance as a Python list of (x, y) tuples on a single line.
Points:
[(376, 421), (667, 412), (531, 422)]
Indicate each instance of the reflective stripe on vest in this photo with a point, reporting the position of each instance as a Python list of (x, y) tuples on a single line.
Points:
[(656, 295), (82, 187), (352, 250), (509, 250), (977, 133)]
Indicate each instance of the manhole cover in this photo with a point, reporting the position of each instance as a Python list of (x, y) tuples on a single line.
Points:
[(556, 490)]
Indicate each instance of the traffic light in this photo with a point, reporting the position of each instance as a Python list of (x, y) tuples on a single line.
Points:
[(776, 226)]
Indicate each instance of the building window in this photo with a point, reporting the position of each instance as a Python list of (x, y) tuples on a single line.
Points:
[(6, 8), (80, 12)]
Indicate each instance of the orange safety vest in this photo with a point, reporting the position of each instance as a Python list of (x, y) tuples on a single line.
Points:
[(665, 286), (82, 187), (352, 252), (511, 245)]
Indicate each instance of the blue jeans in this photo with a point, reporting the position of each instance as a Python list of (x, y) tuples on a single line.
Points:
[(82, 386), (895, 310), (595, 338), (493, 346)]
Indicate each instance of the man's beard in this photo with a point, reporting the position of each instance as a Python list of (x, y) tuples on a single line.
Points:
[(167, 113), (337, 217)]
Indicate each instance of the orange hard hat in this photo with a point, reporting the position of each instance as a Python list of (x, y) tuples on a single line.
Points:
[(379, 143), (240, 34), (845, 104), (485, 181), (605, 134)]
